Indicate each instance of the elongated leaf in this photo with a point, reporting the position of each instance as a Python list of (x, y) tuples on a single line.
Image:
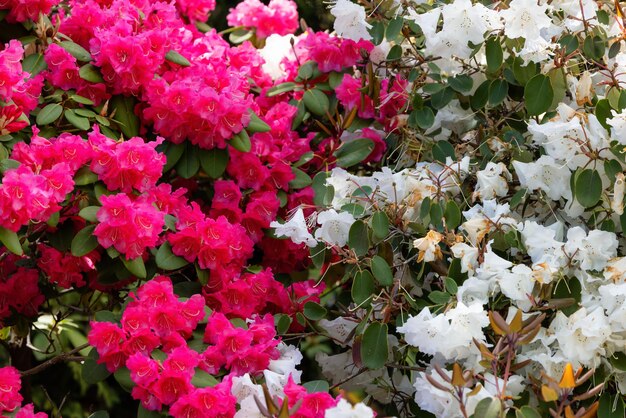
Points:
[(11, 241), (49, 114), (374, 346), (241, 142), (135, 266), (91, 73), (382, 271), (125, 115), (77, 51), (214, 162), (78, 121), (588, 188), (166, 260), (177, 58), (363, 287), (353, 152), (84, 241), (316, 101)]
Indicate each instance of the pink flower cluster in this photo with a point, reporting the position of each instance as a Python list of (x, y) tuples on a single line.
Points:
[(195, 10), (10, 398), (18, 91), (278, 17), (311, 405), (152, 343), (216, 244), (206, 104), (238, 349), (19, 290), (44, 154), (63, 269), (28, 196), (126, 165), (130, 226), (63, 73), (332, 53), (23, 10)]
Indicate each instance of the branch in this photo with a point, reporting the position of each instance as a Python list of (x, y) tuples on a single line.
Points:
[(69, 356)]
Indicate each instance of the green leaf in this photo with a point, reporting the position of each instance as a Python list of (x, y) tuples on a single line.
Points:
[(99, 414), (135, 266), (363, 287), (302, 179), (202, 379), (353, 152), (487, 408), (92, 372), (106, 316), (461, 83), (82, 100), (395, 53), (214, 161), (493, 51), (439, 297), (538, 95), (77, 51), (569, 43), (527, 412), (176, 58), (316, 101), (603, 112), (381, 270), (443, 149), (91, 73), (618, 360), (78, 121), (49, 114), (380, 224), (89, 213), (481, 96), (314, 311), (423, 118), (166, 260), (611, 406), (85, 176), (125, 115), (173, 152), (318, 255), (593, 47), (374, 346), (189, 163), (281, 88), (440, 99), (122, 376), (144, 413), (315, 386), (358, 238), (34, 64), (588, 188), (452, 214), (256, 124), (451, 286), (84, 241), (282, 322), (498, 90), (241, 141), (11, 241)]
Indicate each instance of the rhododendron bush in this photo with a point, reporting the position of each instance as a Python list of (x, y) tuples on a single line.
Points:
[(419, 212)]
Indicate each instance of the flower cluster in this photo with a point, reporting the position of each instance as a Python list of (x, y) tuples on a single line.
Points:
[(279, 17), (10, 398)]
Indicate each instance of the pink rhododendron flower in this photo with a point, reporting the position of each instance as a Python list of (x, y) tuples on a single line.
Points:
[(10, 385), (64, 269), (23, 10), (11, 119), (332, 53), (196, 10), (28, 411), (278, 17), (126, 165), (210, 402), (128, 225)]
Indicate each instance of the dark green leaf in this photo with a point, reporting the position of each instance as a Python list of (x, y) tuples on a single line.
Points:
[(314, 386), (538, 95), (89, 213), (461, 83), (374, 346), (78, 121), (358, 238), (498, 90), (481, 96), (77, 51), (423, 118), (90, 73), (493, 51), (380, 224), (241, 141), (84, 241), (214, 161), (166, 260), (353, 152), (316, 101), (256, 124), (135, 266), (588, 188), (34, 64), (202, 379), (49, 114), (440, 99), (281, 88), (363, 287), (314, 311), (381, 271), (452, 215), (442, 150), (302, 179), (189, 162), (610, 407), (125, 115), (122, 376)]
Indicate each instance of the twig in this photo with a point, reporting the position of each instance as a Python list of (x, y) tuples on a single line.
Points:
[(69, 356)]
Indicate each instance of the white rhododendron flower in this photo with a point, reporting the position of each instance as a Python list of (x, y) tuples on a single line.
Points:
[(428, 246), (526, 19), (334, 227), (350, 20), (296, 229), (449, 334), (582, 335), (492, 181), (345, 410)]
